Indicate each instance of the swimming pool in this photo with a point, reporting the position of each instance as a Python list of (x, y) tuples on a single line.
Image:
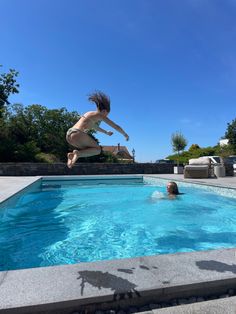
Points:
[(72, 221)]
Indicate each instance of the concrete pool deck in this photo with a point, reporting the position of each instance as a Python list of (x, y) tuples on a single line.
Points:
[(228, 182), (68, 288), (11, 185)]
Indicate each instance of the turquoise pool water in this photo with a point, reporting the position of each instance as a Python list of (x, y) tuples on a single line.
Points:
[(67, 222)]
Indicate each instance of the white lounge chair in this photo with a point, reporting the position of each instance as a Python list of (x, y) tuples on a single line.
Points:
[(198, 168)]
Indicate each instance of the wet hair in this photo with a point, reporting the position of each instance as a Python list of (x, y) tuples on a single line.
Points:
[(175, 188), (101, 100)]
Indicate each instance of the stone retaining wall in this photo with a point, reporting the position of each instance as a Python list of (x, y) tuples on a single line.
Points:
[(37, 169)]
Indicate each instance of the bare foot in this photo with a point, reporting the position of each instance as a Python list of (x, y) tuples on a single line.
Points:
[(69, 161), (75, 157)]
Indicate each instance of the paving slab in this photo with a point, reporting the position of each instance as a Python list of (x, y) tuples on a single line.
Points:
[(162, 278), (11, 185), (218, 306)]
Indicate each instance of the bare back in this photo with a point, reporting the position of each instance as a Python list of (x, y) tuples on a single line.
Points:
[(88, 121)]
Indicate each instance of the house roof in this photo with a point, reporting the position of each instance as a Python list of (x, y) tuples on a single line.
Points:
[(118, 151)]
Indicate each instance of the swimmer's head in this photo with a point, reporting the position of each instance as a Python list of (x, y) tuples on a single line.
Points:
[(172, 188)]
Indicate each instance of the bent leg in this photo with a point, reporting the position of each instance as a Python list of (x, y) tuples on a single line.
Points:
[(87, 152), (86, 145)]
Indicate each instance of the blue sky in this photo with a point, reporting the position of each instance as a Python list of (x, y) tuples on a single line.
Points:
[(167, 65)]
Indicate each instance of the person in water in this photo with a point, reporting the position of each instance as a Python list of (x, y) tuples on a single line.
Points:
[(78, 136), (172, 192), (172, 189)]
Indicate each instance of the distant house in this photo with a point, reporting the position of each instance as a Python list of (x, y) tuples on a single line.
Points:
[(224, 142), (120, 152)]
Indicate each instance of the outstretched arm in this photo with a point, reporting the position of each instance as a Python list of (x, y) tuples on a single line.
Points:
[(97, 128), (116, 127)]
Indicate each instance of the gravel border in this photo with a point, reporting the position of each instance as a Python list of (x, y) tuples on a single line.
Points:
[(154, 305)]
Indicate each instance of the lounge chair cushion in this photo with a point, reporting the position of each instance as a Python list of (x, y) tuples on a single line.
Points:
[(200, 161)]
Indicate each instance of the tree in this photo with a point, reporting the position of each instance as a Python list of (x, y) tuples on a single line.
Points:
[(178, 142), (193, 147), (8, 86), (225, 150), (35, 133), (230, 133), (38, 129)]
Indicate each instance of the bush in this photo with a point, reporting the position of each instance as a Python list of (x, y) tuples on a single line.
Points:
[(193, 147), (196, 152), (105, 157), (25, 152), (46, 158)]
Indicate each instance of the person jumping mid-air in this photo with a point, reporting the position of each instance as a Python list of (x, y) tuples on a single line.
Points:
[(78, 136)]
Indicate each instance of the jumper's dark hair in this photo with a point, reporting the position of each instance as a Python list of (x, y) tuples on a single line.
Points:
[(175, 189), (101, 100)]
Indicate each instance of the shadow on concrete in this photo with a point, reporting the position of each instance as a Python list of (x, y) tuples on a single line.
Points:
[(122, 288), (216, 266), (131, 271), (126, 270)]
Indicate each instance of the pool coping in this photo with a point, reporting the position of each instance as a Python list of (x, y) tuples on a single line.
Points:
[(117, 282), (17, 187), (124, 281), (206, 182)]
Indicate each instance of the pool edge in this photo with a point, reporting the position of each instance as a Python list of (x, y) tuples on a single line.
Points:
[(117, 282)]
